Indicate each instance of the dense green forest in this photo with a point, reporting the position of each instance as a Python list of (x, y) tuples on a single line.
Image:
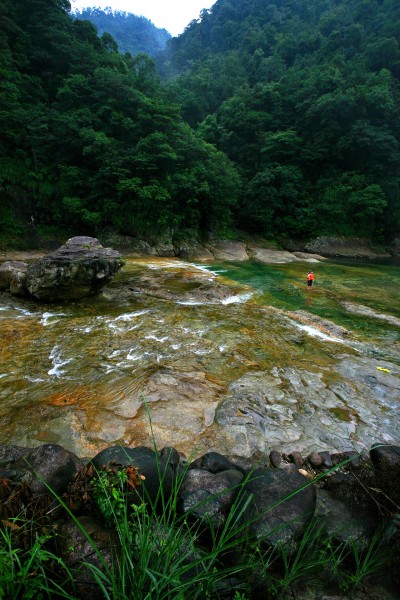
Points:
[(303, 96), (133, 34), (276, 116), (91, 140)]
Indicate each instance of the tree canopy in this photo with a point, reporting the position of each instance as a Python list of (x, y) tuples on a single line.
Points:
[(281, 117), (304, 98), (132, 33), (90, 138)]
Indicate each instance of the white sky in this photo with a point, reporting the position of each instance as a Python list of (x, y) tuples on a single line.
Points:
[(172, 15)]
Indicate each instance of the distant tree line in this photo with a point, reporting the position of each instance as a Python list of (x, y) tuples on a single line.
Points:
[(280, 117), (133, 34)]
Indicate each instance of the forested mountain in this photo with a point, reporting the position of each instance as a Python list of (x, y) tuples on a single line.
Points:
[(132, 33), (278, 116), (89, 138), (304, 97)]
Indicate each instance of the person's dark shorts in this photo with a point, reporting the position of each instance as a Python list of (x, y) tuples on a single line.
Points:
[(309, 282)]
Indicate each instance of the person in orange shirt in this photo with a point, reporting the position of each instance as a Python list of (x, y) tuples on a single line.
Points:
[(310, 278)]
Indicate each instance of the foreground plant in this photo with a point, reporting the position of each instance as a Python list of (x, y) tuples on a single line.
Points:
[(111, 490), (162, 554), (30, 573), (352, 567)]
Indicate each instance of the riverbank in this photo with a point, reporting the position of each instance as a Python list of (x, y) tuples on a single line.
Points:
[(281, 526), (244, 247), (247, 247)]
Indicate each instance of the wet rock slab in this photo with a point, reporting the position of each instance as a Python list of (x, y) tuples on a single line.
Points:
[(239, 378), (182, 283), (325, 326), (365, 311), (291, 406)]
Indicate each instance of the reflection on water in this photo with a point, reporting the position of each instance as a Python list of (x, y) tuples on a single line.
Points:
[(284, 286), (308, 298), (176, 335)]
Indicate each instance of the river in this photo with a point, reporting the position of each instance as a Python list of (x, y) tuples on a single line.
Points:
[(240, 358)]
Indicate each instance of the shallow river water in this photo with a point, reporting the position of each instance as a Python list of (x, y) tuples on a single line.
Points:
[(236, 357)]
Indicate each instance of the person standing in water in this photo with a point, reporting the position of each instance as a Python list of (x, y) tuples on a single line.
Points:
[(310, 278)]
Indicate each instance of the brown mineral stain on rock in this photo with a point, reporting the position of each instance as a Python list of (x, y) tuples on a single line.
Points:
[(64, 399), (342, 414), (46, 437), (138, 434), (214, 379)]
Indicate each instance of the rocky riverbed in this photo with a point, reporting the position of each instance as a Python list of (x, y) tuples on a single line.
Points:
[(180, 352)]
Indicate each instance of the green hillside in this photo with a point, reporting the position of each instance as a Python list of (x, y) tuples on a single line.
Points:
[(304, 97), (132, 33), (280, 117), (91, 140)]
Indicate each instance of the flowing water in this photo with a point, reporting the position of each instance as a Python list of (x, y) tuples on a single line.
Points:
[(235, 357)]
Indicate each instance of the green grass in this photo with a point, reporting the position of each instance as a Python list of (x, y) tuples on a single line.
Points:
[(164, 555), (35, 573)]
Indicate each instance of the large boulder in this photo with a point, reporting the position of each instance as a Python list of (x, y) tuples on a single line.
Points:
[(278, 505), (386, 461), (47, 468), (79, 268), (343, 522), (193, 250), (157, 470), (9, 455), (13, 277), (86, 546), (272, 256), (344, 246), (207, 497), (214, 463), (228, 250)]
